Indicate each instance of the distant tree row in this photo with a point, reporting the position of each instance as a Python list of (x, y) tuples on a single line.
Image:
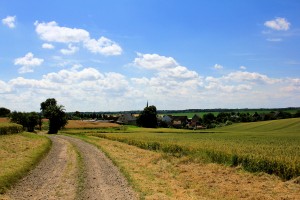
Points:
[(88, 115), (226, 118), (226, 110)]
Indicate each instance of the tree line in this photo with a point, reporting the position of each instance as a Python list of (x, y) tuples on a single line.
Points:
[(209, 120), (49, 109)]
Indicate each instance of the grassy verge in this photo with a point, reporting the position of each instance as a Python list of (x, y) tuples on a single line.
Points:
[(18, 154)]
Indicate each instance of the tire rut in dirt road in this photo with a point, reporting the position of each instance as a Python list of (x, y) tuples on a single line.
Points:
[(54, 178), (102, 180)]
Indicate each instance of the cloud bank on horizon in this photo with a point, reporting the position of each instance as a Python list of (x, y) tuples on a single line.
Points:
[(91, 70)]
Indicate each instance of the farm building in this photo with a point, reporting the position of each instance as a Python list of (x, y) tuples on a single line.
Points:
[(179, 121), (195, 121), (167, 119), (127, 119)]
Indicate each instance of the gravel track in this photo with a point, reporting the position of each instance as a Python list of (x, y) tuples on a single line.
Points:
[(59, 175)]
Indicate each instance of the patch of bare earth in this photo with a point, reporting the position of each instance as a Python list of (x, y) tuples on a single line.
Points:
[(162, 177), (63, 175)]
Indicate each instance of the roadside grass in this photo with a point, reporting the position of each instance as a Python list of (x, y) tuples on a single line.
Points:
[(156, 175), (80, 173), (19, 153), (272, 146)]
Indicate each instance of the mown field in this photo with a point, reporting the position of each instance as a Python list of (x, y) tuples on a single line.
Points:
[(270, 146)]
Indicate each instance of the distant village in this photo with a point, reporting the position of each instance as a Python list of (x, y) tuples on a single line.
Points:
[(208, 120), (165, 121)]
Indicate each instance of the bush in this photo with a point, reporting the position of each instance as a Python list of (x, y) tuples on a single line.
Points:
[(10, 128), (27, 120)]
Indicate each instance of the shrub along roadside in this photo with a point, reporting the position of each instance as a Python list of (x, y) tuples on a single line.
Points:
[(10, 128), (20, 153)]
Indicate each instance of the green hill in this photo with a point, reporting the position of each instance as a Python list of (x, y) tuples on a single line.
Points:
[(281, 126)]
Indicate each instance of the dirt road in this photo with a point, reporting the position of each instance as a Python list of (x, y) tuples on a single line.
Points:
[(73, 169)]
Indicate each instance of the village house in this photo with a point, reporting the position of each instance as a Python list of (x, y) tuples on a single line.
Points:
[(167, 119), (127, 119), (179, 121), (194, 122)]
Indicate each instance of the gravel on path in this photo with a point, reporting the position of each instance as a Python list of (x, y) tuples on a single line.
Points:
[(60, 176)]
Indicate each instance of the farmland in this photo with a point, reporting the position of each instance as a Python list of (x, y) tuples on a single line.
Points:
[(270, 146), (165, 163), (183, 164)]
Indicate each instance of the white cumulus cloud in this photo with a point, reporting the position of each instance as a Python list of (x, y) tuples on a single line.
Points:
[(279, 24), (48, 46), (154, 61), (218, 67), (28, 62), (52, 32), (4, 87), (253, 77), (165, 67), (9, 21), (170, 79), (243, 67), (71, 50), (103, 46), (79, 88)]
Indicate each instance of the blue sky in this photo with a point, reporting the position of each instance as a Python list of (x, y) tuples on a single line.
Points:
[(116, 55)]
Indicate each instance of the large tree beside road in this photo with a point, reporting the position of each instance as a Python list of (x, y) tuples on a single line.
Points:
[(55, 113)]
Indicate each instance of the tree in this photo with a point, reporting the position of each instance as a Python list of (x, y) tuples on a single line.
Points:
[(55, 113), (32, 121), (27, 120), (208, 118), (4, 112), (148, 117)]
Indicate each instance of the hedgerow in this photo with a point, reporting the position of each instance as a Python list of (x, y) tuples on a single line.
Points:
[(10, 128)]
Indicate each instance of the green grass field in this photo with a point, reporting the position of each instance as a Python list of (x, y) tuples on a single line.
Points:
[(250, 111), (270, 146)]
